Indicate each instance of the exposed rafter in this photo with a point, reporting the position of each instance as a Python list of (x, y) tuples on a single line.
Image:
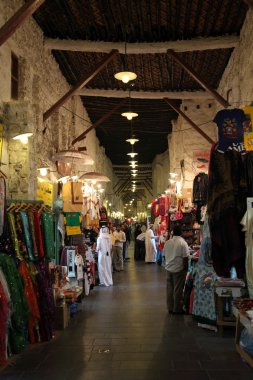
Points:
[(145, 94), (208, 43), (8, 29)]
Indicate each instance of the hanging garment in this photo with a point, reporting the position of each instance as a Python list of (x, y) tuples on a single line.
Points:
[(4, 317), (150, 246), (2, 203), (48, 234), (73, 223), (26, 230), (247, 127), (31, 299), (46, 300), (61, 228), (79, 266), (247, 223), (204, 279), (104, 248), (200, 188), (230, 124), (38, 234), (19, 317), (14, 237), (227, 191), (32, 232)]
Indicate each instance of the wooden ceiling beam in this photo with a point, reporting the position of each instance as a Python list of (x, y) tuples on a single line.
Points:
[(80, 84), (200, 43), (10, 27), (189, 121), (198, 79), (99, 121), (144, 94)]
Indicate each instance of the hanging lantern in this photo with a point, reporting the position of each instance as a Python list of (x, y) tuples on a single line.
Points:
[(132, 140), (129, 115), (125, 76)]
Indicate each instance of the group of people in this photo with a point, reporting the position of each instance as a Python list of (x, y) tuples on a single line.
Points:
[(112, 247)]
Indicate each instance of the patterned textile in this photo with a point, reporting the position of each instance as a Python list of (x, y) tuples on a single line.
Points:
[(204, 278), (48, 234), (46, 300), (19, 316), (38, 234), (31, 299), (26, 231)]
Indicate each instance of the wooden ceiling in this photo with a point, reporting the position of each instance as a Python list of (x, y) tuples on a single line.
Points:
[(137, 21)]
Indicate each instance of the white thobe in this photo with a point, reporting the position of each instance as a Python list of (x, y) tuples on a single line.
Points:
[(150, 247), (104, 247)]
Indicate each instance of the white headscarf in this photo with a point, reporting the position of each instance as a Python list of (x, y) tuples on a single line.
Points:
[(104, 243)]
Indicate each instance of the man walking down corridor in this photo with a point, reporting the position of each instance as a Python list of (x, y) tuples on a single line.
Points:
[(120, 238)]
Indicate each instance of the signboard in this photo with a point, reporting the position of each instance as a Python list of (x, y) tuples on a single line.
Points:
[(45, 193), (201, 161)]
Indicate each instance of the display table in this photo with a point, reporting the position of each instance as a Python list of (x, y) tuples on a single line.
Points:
[(242, 322)]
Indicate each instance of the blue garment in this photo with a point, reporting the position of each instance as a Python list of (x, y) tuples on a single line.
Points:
[(230, 129), (204, 299)]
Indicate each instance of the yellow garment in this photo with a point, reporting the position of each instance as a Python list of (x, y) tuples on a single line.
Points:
[(248, 131)]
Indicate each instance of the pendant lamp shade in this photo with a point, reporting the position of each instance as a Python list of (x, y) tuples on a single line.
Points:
[(132, 140), (129, 115), (125, 76), (95, 176), (73, 156), (132, 154)]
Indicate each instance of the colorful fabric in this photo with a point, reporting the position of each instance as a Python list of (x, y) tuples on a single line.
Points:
[(48, 234), (31, 299), (14, 237), (248, 130), (2, 204), (73, 220), (28, 238), (19, 317), (38, 234)]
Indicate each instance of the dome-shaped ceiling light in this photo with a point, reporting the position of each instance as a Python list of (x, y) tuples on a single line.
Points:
[(132, 140), (23, 138), (125, 76), (129, 115), (132, 154)]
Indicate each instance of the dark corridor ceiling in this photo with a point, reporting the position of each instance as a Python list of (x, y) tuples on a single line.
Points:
[(140, 21)]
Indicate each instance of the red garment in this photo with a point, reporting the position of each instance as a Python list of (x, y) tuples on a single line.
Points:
[(38, 234), (32, 302), (4, 314)]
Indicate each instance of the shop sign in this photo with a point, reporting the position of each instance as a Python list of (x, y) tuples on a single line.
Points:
[(201, 160), (45, 193)]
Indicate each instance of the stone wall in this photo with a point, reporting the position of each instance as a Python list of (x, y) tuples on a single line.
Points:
[(160, 171), (41, 85), (185, 142), (238, 76)]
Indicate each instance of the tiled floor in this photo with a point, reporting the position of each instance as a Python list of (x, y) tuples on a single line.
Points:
[(124, 333)]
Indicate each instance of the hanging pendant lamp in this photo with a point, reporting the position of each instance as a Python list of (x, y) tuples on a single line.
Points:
[(132, 140), (125, 76), (95, 176), (73, 156)]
